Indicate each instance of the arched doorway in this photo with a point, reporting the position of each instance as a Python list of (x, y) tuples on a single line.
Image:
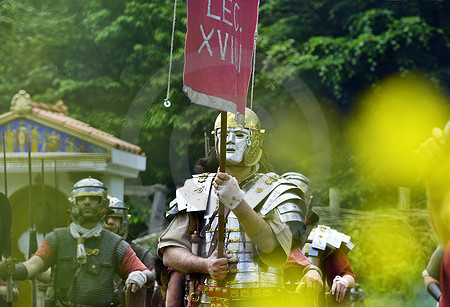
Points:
[(49, 211)]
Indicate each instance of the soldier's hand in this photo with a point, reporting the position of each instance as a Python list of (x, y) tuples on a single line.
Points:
[(339, 287), (431, 153), (7, 267), (136, 280), (217, 267), (310, 284), (228, 190)]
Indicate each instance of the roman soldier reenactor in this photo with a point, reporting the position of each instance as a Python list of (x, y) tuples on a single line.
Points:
[(264, 220), (84, 257)]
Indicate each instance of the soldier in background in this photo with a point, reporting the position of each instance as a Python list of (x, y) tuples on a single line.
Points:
[(265, 219), (5, 242), (325, 251), (117, 221), (84, 257), (43, 223)]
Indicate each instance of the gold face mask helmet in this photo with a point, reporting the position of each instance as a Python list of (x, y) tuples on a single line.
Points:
[(254, 141)]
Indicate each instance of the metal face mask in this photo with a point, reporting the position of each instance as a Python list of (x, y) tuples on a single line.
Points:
[(238, 140), (249, 140)]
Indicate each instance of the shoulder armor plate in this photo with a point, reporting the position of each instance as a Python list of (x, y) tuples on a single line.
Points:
[(289, 212), (194, 195), (279, 195), (323, 238), (291, 217), (261, 188), (270, 191), (308, 251), (173, 208)]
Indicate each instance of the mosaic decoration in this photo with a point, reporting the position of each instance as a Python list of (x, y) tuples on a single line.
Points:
[(19, 132)]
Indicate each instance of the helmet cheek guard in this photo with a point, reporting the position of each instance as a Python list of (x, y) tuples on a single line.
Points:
[(253, 152), (123, 229)]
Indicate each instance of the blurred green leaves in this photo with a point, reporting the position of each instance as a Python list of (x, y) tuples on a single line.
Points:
[(108, 61)]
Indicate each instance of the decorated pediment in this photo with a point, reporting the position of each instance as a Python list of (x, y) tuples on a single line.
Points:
[(49, 128), (21, 133)]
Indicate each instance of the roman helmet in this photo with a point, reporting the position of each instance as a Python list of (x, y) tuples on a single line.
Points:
[(89, 187), (253, 151), (119, 209)]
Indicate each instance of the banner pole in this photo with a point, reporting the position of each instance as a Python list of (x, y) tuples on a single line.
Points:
[(222, 168)]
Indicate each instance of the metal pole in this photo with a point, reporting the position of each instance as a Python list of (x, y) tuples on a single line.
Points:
[(30, 183), (56, 196), (4, 166), (32, 246), (8, 248), (43, 182)]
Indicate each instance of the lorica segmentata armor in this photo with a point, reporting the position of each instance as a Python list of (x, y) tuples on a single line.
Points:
[(271, 197)]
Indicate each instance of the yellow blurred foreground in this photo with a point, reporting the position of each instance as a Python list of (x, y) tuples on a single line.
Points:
[(392, 120)]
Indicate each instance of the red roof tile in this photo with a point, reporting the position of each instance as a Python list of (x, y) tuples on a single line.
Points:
[(58, 116)]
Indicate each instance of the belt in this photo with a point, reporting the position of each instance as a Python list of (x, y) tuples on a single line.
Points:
[(242, 293)]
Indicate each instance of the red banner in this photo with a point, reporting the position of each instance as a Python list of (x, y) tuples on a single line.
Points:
[(218, 52)]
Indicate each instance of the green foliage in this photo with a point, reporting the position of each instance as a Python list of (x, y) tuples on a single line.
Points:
[(389, 256), (94, 54), (150, 242), (339, 49), (365, 46), (108, 61)]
